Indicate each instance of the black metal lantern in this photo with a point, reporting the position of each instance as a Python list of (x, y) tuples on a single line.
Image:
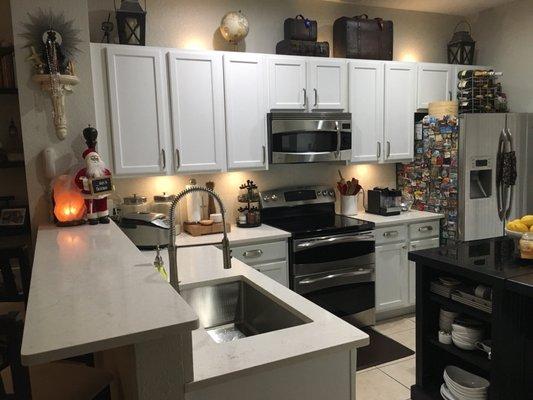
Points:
[(131, 23), (461, 47)]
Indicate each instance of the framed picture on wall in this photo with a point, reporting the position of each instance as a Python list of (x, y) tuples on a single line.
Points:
[(13, 217)]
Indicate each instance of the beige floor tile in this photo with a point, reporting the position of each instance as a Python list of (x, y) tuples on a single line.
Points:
[(403, 372), (396, 361), (394, 325), (407, 338), (376, 385)]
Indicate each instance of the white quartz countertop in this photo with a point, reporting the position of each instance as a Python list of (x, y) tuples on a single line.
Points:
[(237, 236), (406, 217), (214, 362), (91, 290)]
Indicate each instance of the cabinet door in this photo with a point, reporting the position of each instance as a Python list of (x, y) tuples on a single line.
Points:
[(245, 95), (197, 108), (418, 245), (277, 271), (287, 83), (400, 90), (366, 105), (137, 99), (391, 277), (434, 83), (328, 84)]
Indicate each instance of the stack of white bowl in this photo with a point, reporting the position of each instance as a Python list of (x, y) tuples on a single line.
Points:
[(462, 385), (466, 337), (446, 319)]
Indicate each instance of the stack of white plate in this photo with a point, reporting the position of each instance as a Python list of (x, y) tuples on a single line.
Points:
[(446, 319), (462, 385), (466, 337)]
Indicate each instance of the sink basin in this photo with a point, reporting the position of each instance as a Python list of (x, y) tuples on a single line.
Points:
[(233, 310)]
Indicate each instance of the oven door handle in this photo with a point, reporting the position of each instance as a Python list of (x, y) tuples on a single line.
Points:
[(360, 275), (333, 240), (310, 281)]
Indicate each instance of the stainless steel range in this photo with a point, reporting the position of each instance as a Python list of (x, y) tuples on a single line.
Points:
[(331, 257)]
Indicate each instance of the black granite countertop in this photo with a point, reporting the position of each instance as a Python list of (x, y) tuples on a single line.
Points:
[(493, 258)]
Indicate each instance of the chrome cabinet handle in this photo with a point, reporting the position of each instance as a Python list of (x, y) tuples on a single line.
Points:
[(264, 155), (389, 234), (164, 158), (316, 97), (379, 150), (388, 149), (177, 159), (413, 246), (425, 228), (450, 93), (305, 97), (253, 253)]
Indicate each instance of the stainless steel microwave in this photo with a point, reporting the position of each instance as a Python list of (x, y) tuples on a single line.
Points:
[(309, 137)]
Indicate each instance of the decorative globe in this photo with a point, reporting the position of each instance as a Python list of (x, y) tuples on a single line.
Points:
[(234, 27)]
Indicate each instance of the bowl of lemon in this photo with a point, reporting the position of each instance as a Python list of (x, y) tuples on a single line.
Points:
[(521, 230)]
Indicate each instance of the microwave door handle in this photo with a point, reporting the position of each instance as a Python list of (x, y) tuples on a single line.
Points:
[(338, 127)]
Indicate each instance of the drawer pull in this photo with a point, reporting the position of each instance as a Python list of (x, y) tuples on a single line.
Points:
[(389, 234), (426, 228), (253, 253)]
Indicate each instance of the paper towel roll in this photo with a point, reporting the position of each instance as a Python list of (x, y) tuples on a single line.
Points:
[(194, 204)]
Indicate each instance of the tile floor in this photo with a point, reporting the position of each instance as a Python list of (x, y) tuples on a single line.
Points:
[(393, 380)]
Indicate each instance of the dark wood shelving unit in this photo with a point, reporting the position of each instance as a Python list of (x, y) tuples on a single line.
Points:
[(11, 164), (474, 357), (453, 305), (9, 91)]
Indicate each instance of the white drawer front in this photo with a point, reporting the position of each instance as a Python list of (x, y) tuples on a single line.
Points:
[(424, 230), (276, 270), (391, 234), (260, 253)]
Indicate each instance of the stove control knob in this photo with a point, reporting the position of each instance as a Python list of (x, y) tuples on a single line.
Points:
[(324, 192), (274, 197), (266, 199), (331, 193), (318, 193)]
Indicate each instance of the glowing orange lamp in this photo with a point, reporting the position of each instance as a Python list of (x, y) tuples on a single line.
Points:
[(69, 205)]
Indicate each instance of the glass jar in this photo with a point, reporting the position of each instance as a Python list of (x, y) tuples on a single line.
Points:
[(526, 246)]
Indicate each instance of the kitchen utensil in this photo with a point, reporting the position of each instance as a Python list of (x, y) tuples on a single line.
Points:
[(486, 346), (146, 230), (465, 383)]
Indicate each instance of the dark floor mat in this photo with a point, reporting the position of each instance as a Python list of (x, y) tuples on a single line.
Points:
[(381, 349)]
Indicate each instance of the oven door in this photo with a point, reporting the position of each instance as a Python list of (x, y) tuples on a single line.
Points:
[(347, 293), (306, 140)]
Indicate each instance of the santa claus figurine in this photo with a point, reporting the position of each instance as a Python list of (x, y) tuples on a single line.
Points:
[(95, 201)]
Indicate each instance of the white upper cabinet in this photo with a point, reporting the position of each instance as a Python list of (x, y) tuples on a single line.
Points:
[(435, 83), (246, 109), (197, 110), (287, 83), (327, 84), (366, 80), (400, 93), (137, 100)]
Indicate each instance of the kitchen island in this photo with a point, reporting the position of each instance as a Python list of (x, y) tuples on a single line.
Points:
[(506, 317), (92, 290)]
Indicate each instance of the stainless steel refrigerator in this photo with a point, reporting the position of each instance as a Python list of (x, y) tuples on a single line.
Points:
[(486, 198)]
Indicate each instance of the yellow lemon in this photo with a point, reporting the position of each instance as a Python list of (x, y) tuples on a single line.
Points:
[(531, 228), (527, 219), (520, 227)]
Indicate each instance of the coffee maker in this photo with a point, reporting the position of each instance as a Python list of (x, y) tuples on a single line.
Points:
[(384, 201)]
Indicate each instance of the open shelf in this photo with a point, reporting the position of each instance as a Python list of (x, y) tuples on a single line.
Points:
[(474, 357), (453, 305)]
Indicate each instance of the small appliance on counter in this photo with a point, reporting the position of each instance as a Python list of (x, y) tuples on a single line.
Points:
[(162, 203), (133, 204), (145, 229), (249, 215), (384, 201)]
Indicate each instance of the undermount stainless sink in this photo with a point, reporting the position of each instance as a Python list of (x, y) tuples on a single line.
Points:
[(233, 310)]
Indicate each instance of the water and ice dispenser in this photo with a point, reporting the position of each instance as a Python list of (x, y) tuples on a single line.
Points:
[(481, 171)]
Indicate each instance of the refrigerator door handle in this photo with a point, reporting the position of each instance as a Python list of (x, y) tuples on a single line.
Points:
[(499, 185)]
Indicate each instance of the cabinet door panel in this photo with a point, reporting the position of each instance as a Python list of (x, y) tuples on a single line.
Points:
[(400, 90), (418, 245), (197, 97), (246, 96), (277, 271), (366, 105), (328, 84), (391, 277), (138, 109), (287, 83), (434, 83)]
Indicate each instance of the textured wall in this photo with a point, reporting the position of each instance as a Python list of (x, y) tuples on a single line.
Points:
[(35, 106), (185, 23)]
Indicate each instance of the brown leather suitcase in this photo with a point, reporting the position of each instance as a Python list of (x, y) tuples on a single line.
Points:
[(360, 37), (300, 28), (303, 48)]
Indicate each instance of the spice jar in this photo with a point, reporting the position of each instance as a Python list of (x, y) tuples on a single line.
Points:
[(526, 246)]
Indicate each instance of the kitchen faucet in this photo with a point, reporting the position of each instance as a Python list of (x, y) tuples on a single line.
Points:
[(172, 253)]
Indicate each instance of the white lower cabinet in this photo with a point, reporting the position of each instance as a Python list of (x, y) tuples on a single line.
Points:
[(276, 271), (391, 272), (413, 246)]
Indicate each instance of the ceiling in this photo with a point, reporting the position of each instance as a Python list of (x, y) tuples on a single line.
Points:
[(450, 7)]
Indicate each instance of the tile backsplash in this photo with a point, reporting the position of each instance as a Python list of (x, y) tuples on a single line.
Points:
[(227, 184)]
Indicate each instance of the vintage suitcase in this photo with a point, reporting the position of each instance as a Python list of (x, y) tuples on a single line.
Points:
[(303, 48), (360, 37), (300, 28)]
